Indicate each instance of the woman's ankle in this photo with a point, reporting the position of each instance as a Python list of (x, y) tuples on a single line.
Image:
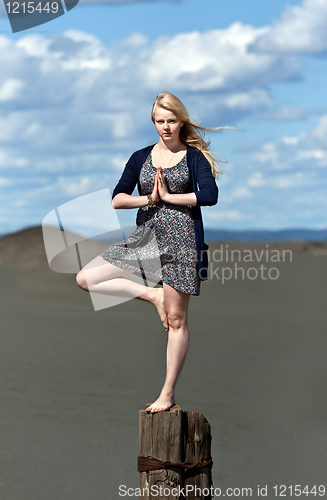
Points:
[(150, 295), (168, 393)]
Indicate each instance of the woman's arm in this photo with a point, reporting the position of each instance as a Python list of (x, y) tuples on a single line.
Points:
[(188, 199), (208, 189), (126, 184), (206, 195), (123, 200), (122, 194)]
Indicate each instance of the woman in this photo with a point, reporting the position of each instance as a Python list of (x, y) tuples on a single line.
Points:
[(175, 177)]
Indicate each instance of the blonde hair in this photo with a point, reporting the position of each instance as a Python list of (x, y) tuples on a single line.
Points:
[(191, 133)]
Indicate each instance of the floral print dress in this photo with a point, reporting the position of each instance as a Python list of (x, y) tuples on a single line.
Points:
[(163, 246)]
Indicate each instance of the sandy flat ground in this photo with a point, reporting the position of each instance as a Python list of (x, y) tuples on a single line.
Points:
[(73, 379)]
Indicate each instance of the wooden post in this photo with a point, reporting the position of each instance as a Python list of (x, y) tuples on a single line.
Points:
[(197, 448), (175, 436), (161, 437)]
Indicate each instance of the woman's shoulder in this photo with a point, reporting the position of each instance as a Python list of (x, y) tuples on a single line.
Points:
[(138, 157), (142, 151), (195, 154), (194, 151)]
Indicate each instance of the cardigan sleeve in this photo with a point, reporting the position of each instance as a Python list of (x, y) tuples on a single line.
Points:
[(208, 189), (128, 179)]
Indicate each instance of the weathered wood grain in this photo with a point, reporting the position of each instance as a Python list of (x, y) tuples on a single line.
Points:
[(197, 447), (161, 437), (175, 436)]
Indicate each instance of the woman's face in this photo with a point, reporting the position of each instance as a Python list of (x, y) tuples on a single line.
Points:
[(167, 124)]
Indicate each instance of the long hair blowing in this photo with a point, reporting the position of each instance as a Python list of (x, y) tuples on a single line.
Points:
[(191, 133)]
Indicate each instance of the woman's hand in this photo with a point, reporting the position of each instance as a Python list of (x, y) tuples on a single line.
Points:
[(162, 186), (155, 192)]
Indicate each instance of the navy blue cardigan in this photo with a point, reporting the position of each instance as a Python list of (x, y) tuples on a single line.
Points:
[(201, 182)]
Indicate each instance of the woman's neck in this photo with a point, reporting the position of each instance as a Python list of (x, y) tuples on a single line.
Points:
[(173, 147)]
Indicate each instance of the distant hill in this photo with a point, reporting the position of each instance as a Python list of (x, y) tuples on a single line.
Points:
[(212, 235), (26, 247)]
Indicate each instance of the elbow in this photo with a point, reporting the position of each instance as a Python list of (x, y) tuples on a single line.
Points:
[(118, 201), (206, 199), (114, 203), (213, 198), (216, 196)]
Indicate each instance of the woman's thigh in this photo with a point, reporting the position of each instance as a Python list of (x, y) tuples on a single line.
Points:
[(176, 302), (99, 270)]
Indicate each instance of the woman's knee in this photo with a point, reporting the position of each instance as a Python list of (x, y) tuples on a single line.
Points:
[(81, 281), (176, 319)]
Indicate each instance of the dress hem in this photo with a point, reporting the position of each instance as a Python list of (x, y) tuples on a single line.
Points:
[(148, 278)]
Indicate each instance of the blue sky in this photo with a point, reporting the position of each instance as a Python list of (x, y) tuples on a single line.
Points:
[(76, 95)]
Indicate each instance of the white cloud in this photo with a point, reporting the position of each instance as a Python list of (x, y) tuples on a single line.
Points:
[(242, 192), (302, 29), (10, 89), (33, 45), (320, 132), (319, 155), (4, 181), (304, 199), (305, 151), (255, 98), (75, 51), (11, 160), (76, 188), (268, 154), (290, 180), (291, 141), (80, 95), (91, 53), (289, 164), (285, 114), (119, 163), (257, 180), (74, 109), (216, 59)]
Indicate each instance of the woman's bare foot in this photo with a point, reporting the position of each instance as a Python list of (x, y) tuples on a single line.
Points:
[(158, 302), (163, 403)]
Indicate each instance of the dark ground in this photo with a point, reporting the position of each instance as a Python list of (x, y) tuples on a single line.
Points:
[(73, 380)]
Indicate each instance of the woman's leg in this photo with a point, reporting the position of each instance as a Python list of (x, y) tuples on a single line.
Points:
[(99, 276), (176, 305)]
